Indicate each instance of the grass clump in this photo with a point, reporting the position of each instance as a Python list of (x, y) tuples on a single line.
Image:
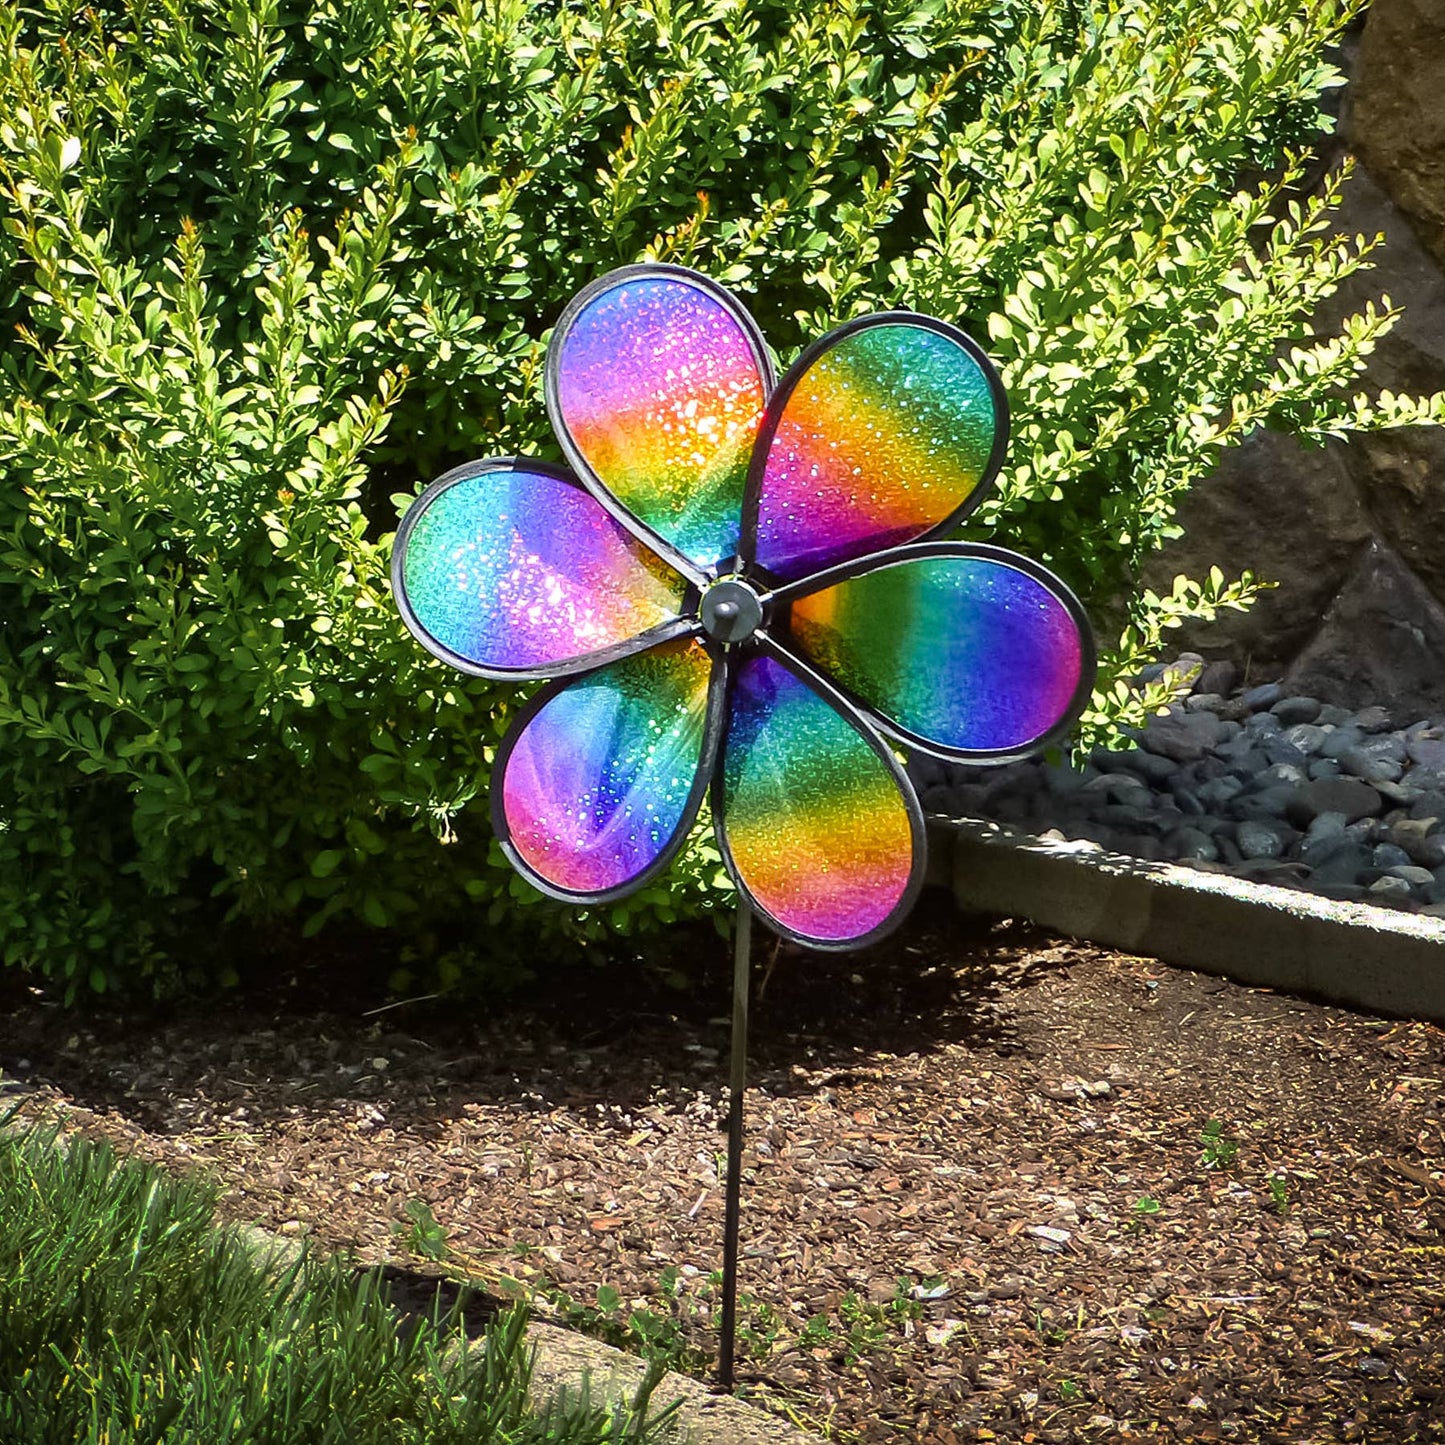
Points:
[(125, 1315)]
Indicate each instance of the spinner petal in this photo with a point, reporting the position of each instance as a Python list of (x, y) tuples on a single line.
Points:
[(817, 822), (656, 384), (512, 569), (886, 431), (601, 777), (962, 650)]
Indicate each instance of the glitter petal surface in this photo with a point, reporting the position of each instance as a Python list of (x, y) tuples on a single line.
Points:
[(510, 569), (971, 651), (602, 781), (657, 384), (814, 820), (883, 434)]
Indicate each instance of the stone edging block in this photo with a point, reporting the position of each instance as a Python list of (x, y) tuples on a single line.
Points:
[(567, 1360), (1254, 933), (567, 1363)]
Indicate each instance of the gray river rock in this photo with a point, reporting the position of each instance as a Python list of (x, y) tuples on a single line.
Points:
[(1261, 783)]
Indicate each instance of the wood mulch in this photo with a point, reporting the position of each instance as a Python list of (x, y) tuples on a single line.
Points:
[(957, 1143)]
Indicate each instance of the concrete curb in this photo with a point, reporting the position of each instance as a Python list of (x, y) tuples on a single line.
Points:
[(1254, 933), (567, 1365)]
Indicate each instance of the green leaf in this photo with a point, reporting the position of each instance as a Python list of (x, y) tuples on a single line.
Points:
[(325, 863)]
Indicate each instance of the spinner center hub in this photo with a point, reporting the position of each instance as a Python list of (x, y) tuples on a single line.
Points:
[(731, 611)]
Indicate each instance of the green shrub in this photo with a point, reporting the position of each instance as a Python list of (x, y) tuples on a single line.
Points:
[(267, 266)]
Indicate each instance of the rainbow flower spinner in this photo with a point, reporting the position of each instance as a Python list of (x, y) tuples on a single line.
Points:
[(734, 584)]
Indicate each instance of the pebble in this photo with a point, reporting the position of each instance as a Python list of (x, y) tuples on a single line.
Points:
[(1190, 845), (1260, 839), (1350, 796), (1388, 856), (1151, 768), (1321, 847), (1341, 740), (1416, 838), (1427, 752), (1281, 749), (1281, 788), (1296, 710), (1219, 792), (1390, 887), (1415, 877), (1430, 804), (1424, 780), (1361, 763), (1344, 866), (1309, 739), (1257, 699), (1051, 1240), (1267, 803), (1217, 679)]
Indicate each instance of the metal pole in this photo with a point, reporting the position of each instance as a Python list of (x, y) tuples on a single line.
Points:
[(742, 949)]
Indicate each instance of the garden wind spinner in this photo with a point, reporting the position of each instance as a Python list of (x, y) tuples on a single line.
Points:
[(734, 585)]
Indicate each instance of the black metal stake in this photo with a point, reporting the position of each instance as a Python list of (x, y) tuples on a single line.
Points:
[(732, 1199)]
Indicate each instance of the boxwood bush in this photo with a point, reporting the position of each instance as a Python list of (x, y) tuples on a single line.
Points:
[(267, 268)]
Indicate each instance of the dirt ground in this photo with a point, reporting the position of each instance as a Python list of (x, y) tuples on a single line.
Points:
[(984, 1198)]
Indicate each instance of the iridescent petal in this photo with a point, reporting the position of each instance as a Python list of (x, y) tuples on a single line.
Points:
[(817, 821), (601, 777), (965, 651), (656, 384), (512, 569), (886, 431)]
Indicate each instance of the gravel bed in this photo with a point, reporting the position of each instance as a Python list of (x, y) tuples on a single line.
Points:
[(1253, 782)]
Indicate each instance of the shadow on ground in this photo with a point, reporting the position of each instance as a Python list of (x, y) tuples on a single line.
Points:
[(614, 1035)]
